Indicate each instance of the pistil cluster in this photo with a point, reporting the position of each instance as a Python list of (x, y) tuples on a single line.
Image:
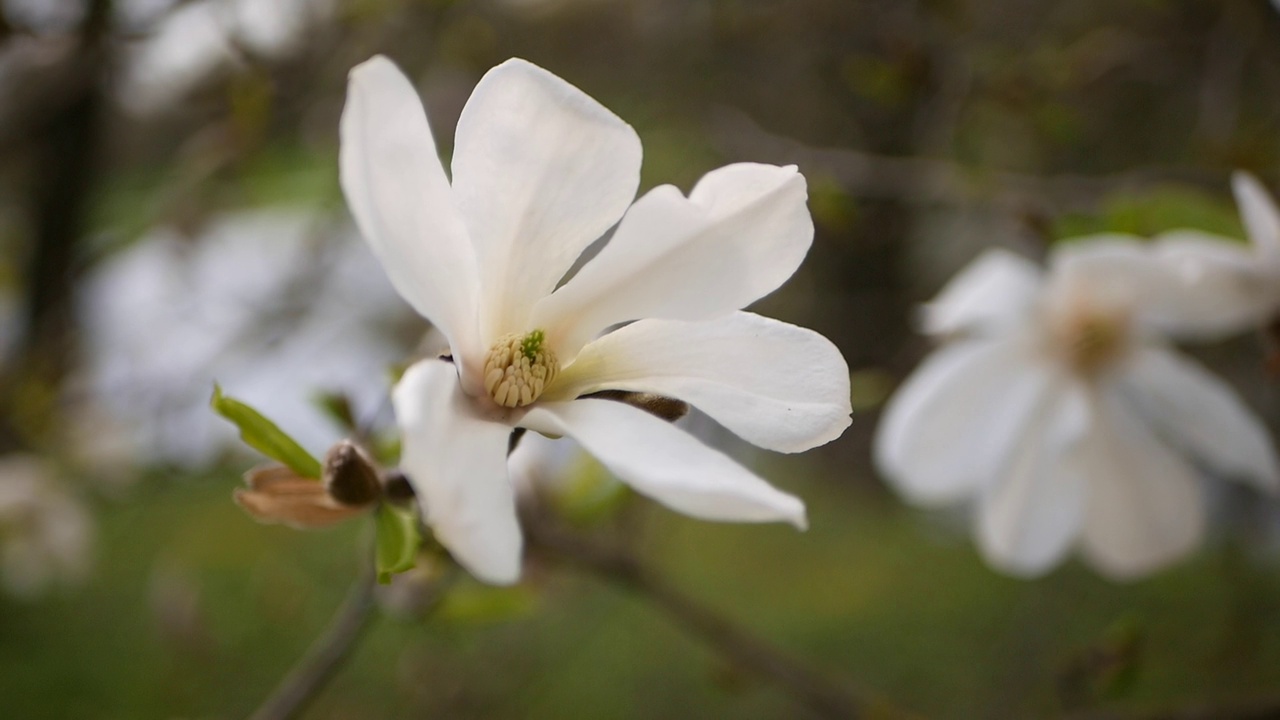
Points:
[(519, 368)]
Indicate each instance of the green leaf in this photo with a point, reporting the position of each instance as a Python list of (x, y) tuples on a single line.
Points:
[(398, 541), (264, 436)]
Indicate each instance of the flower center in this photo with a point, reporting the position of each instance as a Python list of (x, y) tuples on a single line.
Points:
[(1090, 340), (518, 368)]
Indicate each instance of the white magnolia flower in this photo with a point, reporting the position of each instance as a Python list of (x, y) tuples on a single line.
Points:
[(540, 171), (45, 533), (1059, 410), (258, 301), (194, 40), (1226, 286)]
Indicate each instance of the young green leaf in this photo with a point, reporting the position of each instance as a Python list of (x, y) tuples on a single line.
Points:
[(264, 436), (398, 541)]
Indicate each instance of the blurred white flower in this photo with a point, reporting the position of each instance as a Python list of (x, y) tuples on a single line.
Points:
[(260, 302), (195, 39), (45, 534), (1227, 287), (1057, 407), (540, 171)]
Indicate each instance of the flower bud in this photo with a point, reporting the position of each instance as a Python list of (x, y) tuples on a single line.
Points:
[(276, 494), (349, 475)]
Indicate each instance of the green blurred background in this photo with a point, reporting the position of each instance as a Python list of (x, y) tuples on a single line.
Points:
[(928, 130)]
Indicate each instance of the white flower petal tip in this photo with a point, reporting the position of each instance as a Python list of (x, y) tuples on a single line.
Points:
[(778, 386), (997, 287), (1259, 212), (540, 171), (1218, 287), (1031, 514), (949, 427), (667, 464), (456, 461), (740, 234), (398, 194), (1202, 415)]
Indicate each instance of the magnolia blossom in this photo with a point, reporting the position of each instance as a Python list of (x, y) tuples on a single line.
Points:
[(192, 40), (258, 300), (1226, 286), (539, 172), (1056, 405), (45, 533)]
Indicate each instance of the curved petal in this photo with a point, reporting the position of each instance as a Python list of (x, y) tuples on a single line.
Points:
[(1260, 215), (540, 170), (996, 289), (1197, 412), (775, 385), (400, 199), (1144, 508), (1028, 519), (664, 462), (1220, 287), (739, 235), (951, 426), (457, 464), (1179, 286)]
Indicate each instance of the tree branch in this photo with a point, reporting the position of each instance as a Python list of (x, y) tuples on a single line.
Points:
[(936, 181), (819, 693), (325, 656)]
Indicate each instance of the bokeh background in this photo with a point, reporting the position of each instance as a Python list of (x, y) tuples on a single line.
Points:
[(170, 216)]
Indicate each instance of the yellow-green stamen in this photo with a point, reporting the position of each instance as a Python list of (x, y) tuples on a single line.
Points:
[(518, 368)]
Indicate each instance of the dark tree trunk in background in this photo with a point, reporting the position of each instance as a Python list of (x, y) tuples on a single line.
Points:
[(64, 153)]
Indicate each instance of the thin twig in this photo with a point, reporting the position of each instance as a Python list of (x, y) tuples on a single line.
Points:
[(325, 656), (811, 688), (937, 181)]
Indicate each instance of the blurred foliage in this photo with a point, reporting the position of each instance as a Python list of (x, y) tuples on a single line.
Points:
[(1155, 211)]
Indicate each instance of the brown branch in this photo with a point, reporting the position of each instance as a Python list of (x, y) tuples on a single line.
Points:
[(811, 688), (936, 181), (325, 656)]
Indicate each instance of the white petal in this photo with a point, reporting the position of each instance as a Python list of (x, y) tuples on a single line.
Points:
[(1029, 518), (1260, 215), (1166, 285), (739, 235), (1110, 266), (995, 289), (1197, 412), (457, 464), (951, 426), (398, 194), (1144, 508), (665, 463), (540, 170), (1221, 287), (775, 385)]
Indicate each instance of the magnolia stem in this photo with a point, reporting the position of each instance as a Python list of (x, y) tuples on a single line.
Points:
[(810, 687), (325, 656)]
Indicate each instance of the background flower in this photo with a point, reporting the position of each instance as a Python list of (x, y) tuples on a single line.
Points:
[(1062, 413)]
